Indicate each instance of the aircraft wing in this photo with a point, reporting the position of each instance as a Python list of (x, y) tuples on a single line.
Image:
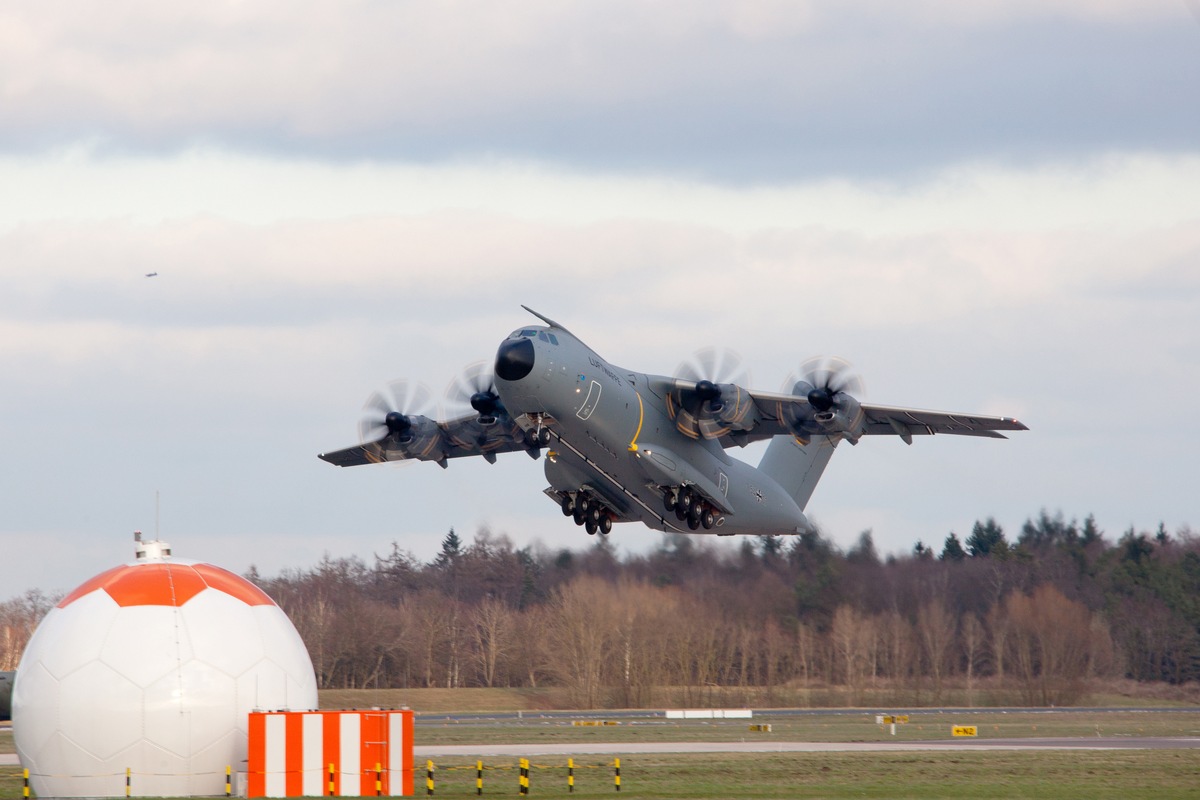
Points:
[(438, 442), (776, 412), (909, 422)]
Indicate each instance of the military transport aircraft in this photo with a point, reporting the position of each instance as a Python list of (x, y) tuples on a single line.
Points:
[(623, 446)]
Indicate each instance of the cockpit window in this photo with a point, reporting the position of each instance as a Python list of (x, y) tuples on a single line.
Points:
[(530, 333)]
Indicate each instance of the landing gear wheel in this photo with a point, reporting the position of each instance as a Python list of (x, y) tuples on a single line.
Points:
[(594, 513), (531, 438), (708, 519), (686, 500), (606, 524), (693, 522), (568, 505), (669, 500), (543, 436), (578, 514), (590, 527), (680, 514)]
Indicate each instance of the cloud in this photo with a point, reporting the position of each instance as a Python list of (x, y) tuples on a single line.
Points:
[(746, 92)]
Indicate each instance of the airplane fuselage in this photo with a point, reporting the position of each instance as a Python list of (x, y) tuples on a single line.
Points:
[(612, 438)]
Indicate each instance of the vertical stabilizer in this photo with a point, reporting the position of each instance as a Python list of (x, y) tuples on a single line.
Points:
[(797, 467)]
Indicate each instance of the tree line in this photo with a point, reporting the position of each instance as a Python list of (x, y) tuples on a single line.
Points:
[(1035, 619)]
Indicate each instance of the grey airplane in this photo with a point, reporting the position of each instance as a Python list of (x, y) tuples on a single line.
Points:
[(624, 446)]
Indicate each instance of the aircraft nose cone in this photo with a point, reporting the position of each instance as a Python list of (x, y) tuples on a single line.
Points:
[(514, 359)]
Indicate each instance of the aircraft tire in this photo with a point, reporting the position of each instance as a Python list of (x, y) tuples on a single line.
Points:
[(693, 522), (708, 519), (594, 513), (578, 514), (668, 501), (543, 437), (680, 514), (686, 500), (606, 524), (590, 527)]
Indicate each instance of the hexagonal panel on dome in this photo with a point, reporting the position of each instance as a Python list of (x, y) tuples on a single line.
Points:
[(35, 706), (190, 708), (146, 642), (165, 774), (64, 769), (70, 637), (264, 687), (100, 709), (222, 631)]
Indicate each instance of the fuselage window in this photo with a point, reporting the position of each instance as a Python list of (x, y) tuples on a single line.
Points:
[(542, 336)]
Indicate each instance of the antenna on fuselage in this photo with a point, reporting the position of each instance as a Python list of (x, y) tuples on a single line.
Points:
[(546, 320)]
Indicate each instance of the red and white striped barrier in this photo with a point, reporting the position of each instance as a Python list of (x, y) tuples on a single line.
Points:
[(330, 753)]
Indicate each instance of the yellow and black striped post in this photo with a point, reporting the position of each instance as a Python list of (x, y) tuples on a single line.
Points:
[(332, 788), (128, 782), (617, 773), (429, 778), (228, 781), (378, 779), (479, 777), (25, 791), (524, 781), (570, 775)]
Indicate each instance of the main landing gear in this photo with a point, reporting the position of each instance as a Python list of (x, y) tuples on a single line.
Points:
[(588, 512), (691, 508)]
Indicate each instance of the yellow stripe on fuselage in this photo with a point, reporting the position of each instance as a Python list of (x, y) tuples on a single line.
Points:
[(633, 445)]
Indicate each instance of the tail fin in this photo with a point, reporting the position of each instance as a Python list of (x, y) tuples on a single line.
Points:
[(797, 467)]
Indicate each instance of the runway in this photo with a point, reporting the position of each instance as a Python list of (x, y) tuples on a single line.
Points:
[(643, 748), (948, 745)]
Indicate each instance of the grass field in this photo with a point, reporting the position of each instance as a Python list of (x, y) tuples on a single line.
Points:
[(951, 774), (821, 728), (1061, 775), (1086, 775)]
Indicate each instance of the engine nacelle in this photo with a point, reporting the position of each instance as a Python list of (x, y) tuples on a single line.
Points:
[(712, 410), (733, 409), (420, 437), (845, 417), (838, 414)]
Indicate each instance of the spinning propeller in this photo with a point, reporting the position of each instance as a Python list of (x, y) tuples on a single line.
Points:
[(474, 388), (397, 415), (711, 403), (827, 378), (830, 385)]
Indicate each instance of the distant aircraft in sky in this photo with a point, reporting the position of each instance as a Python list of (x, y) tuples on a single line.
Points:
[(151, 274), (623, 446)]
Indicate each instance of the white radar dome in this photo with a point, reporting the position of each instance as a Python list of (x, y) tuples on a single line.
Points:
[(153, 667)]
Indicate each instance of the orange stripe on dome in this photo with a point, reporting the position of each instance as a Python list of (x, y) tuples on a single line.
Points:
[(165, 584), (91, 585), (155, 585), (231, 584)]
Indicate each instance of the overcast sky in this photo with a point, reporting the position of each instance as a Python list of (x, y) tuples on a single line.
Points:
[(988, 206)]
